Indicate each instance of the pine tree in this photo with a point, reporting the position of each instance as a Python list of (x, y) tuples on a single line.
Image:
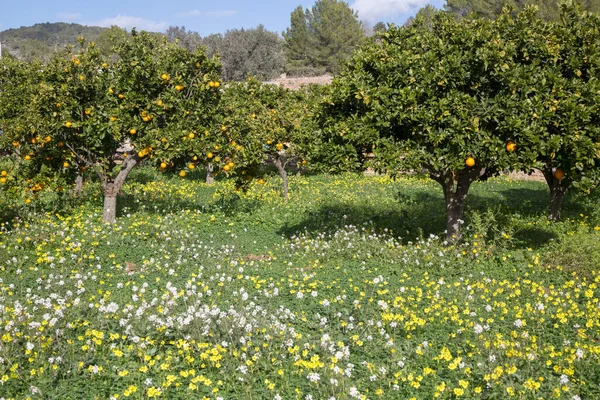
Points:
[(323, 37), (297, 42)]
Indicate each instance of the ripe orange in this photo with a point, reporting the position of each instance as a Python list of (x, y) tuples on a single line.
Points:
[(182, 173), (209, 155), (132, 131), (179, 88), (66, 164), (279, 146), (191, 135), (303, 162), (223, 128), (28, 201), (68, 124), (88, 112), (163, 165), (164, 77), (226, 167), (211, 84), (470, 162), (104, 65), (121, 96), (511, 146), (217, 84), (3, 173), (559, 174), (159, 103), (3, 180), (191, 165)]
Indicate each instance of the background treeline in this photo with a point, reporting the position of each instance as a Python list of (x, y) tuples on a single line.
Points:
[(317, 41)]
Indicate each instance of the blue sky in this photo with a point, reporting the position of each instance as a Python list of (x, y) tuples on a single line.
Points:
[(204, 17)]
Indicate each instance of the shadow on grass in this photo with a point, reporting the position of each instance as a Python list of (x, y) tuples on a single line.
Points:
[(229, 205), (421, 212)]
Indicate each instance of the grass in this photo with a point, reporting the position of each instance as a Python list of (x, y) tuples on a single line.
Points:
[(347, 291)]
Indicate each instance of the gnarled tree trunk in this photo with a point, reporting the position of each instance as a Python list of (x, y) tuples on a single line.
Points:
[(455, 194), (112, 187), (558, 190), (284, 178), (210, 176)]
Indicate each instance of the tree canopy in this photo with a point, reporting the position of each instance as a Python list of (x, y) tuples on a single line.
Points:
[(321, 38), (548, 10)]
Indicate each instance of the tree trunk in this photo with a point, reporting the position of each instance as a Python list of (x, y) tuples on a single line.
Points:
[(456, 187), (78, 185), (110, 205), (284, 178), (112, 188), (210, 176), (558, 190)]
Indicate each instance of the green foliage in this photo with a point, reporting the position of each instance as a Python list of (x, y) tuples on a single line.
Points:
[(243, 52), (266, 121), (553, 108), (155, 101), (322, 37), (251, 52), (427, 91), (548, 10), (464, 99), (110, 38), (186, 38)]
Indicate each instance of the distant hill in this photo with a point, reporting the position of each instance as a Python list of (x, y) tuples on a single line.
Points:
[(40, 41)]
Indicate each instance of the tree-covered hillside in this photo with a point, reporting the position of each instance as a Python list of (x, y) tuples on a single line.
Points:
[(42, 40)]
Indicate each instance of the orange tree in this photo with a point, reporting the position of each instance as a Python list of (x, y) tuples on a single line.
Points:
[(155, 101), (553, 99), (22, 174), (265, 123), (427, 95)]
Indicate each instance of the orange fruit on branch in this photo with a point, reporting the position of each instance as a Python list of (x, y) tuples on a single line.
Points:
[(470, 162)]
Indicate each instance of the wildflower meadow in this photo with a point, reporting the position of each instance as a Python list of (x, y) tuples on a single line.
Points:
[(347, 291)]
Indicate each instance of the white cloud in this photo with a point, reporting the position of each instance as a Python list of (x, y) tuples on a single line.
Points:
[(129, 22), (65, 16), (375, 10), (198, 13)]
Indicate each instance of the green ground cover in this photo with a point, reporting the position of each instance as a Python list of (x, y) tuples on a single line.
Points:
[(346, 291)]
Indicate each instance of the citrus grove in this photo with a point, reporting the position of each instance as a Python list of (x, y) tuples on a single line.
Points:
[(294, 244)]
